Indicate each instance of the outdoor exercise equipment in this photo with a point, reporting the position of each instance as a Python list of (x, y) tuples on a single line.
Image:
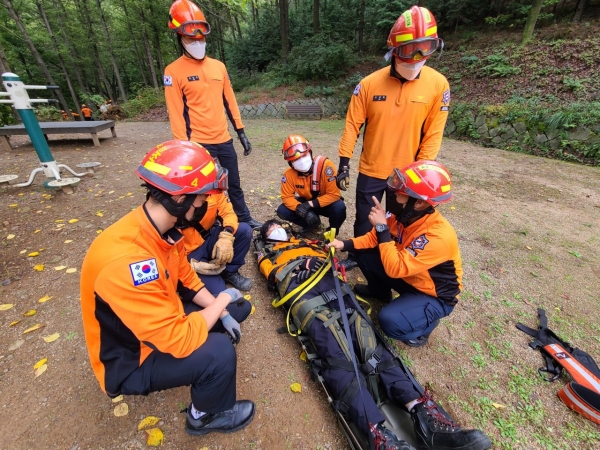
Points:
[(19, 99)]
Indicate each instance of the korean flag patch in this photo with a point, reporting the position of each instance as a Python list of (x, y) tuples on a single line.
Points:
[(168, 80), (446, 97), (144, 271)]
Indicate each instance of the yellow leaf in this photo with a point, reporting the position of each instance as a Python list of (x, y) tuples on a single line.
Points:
[(31, 312), (59, 220), (36, 231), (6, 306), (452, 207), (40, 363), (303, 355), (13, 205), (248, 297), (98, 231), (149, 421), (155, 437), (71, 270), (117, 399), (121, 410), (14, 322), (557, 308), (37, 326), (68, 241), (295, 387), (73, 220), (44, 299), (22, 251), (360, 279), (129, 193), (253, 309), (40, 370), (528, 247), (498, 405), (111, 192), (51, 338), (99, 214), (32, 254), (60, 267), (38, 267), (10, 236)]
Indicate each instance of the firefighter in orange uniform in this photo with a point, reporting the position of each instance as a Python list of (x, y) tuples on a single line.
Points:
[(149, 322), (308, 187), (403, 109), (87, 113), (416, 254), (200, 99)]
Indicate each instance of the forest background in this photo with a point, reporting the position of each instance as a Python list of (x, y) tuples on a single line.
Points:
[(533, 61)]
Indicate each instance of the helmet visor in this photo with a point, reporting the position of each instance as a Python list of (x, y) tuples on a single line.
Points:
[(424, 46), (295, 151), (219, 185), (397, 182), (194, 28)]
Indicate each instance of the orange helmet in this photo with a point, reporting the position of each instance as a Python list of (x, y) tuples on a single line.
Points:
[(414, 36), (187, 19), (425, 180), (295, 147), (182, 167)]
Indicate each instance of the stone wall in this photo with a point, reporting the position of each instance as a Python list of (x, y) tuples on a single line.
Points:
[(331, 106)]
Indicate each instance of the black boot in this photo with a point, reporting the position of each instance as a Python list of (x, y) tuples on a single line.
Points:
[(253, 223), (421, 340), (364, 291), (238, 280), (233, 419), (384, 439), (434, 430)]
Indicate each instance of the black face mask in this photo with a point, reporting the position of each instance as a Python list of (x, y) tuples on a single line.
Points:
[(406, 214), (198, 215)]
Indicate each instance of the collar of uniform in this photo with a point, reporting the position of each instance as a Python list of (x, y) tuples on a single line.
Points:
[(151, 228), (399, 77)]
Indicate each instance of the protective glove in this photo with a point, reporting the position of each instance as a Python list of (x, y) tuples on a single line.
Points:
[(312, 219), (245, 142), (207, 268), (302, 209), (235, 294), (308, 268), (223, 250), (232, 327), (343, 177)]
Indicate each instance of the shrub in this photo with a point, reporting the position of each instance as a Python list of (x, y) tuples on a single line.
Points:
[(498, 66), (146, 99), (46, 113), (6, 116)]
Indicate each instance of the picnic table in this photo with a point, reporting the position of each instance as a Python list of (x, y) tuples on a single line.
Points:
[(91, 127)]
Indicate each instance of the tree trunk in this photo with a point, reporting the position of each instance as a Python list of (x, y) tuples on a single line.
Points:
[(36, 54), (361, 25), (237, 25), (534, 12), (579, 11), (138, 56), (5, 67), (284, 25), (316, 24), (150, 60), (156, 33), (111, 54)]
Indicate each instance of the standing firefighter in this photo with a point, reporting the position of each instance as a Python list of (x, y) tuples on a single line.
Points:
[(200, 98), (87, 113), (403, 109)]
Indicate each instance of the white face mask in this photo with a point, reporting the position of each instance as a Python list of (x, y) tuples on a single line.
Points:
[(303, 164), (278, 234), (408, 71), (197, 48)]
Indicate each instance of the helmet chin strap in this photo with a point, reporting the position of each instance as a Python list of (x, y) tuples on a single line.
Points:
[(178, 210)]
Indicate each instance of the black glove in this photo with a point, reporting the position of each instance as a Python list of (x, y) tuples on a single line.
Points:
[(312, 219), (245, 142), (307, 269), (302, 209), (343, 175)]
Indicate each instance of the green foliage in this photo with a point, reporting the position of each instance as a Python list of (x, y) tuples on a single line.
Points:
[(319, 58), (91, 99), (45, 113), (6, 116), (499, 66), (146, 99)]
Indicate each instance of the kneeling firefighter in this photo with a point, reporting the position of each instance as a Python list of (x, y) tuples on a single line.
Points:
[(298, 270)]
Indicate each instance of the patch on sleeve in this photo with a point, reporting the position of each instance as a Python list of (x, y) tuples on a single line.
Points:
[(330, 178), (283, 179), (329, 171), (446, 97), (357, 89), (144, 271), (419, 242), (168, 80), (445, 108)]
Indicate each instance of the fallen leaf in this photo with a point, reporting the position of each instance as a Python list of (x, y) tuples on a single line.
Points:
[(149, 421), (71, 270), (295, 387), (111, 192), (6, 306), (10, 236), (40, 363), (98, 231), (31, 312), (33, 254), (452, 207), (99, 214), (248, 297), (528, 247), (252, 310), (303, 355), (40, 370), (557, 308), (13, 323), (73, 220), (60, 267), (36, 231), (155, 437), (44, 299), (13, 205), (37, 326), (68, 241), (38, 267), (22, 251), (360, 279), (59, 220), (121, 410), (51, 338), (118, 398), (498, 405)]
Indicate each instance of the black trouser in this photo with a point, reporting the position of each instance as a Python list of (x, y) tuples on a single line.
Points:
[(362, 409), (227, 157), (366, 187)]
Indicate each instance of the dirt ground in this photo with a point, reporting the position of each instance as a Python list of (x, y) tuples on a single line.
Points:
[(529, 230)]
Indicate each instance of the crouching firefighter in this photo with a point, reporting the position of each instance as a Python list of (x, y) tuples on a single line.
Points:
[(347, 354)]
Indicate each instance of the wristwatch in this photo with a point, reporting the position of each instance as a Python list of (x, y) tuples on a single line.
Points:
[(380, 227)]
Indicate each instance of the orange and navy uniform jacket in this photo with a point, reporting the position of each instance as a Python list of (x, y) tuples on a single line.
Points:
[(294, 184), (425, 255), (218, 204), (267, 266), (198, 95), (129, 299), (87, 112), (403, 120)]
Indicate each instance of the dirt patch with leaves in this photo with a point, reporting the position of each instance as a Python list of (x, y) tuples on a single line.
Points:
[(530, 237)]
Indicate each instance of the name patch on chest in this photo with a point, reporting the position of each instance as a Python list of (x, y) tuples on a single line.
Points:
[(193, 78), (300, 186), (144, 271), (379, 98)]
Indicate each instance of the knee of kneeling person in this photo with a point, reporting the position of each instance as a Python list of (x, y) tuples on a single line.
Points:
[(243, 231), (220, 350), (393, 325)]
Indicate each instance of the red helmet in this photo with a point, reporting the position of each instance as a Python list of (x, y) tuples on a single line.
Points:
[(425, 180), (414, 35), (188, 20), (295, 147), (182, 167)]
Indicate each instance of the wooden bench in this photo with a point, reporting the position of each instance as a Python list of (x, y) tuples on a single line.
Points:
[(304, 110), (92, 127)]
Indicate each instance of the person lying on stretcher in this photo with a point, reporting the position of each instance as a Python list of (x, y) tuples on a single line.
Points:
[(287, 264)]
